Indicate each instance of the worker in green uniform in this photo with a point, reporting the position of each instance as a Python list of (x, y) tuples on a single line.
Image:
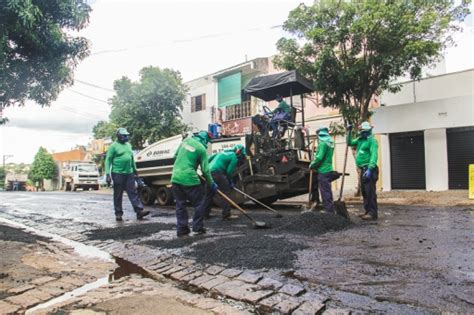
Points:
[(282, 112), (121, 169), (322, 165), (271, 119), (186, 184), (366, 161), (222, 166)]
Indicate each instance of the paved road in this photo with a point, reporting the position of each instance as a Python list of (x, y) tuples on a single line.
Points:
[(413, 260)]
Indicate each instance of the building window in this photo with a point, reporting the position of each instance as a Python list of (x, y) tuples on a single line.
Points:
[(198, 103)]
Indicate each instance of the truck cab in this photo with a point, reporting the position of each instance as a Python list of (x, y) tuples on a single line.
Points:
[(82, 174)]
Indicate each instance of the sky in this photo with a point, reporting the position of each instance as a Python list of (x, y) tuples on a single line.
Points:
[(193, 37)]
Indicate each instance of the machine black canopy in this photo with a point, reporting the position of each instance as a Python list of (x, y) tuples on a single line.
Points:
[(285, 84)]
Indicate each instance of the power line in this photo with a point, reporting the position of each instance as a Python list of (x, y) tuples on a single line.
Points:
[(84, 114), (88, 96), (184, 40), (94, 85), (80, 111)]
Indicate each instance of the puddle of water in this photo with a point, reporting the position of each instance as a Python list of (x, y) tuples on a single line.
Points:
[(126, 268)]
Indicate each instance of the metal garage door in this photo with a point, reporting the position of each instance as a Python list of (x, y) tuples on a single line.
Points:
[(407, 156), (460, 155)]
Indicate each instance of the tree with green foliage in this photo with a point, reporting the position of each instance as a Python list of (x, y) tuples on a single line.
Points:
[(104, 129), (43, 167), (38, 52), (354, 50), (2, 176), (150, 109)]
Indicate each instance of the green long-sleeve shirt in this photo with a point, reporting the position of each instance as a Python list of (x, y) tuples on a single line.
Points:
[(282, 106), (190, 154), (120, 159), (367, 150), (224, 162), (322, 162)]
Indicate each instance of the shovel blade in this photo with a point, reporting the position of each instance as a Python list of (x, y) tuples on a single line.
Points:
[(261, 225), (341, 209)]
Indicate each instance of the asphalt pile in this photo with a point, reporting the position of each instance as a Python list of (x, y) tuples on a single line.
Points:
[(312, 223), (255, 252), (236, 244), (9, 234)]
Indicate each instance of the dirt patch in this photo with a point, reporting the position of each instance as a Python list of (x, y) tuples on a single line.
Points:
[(140, 304), (129, 232)]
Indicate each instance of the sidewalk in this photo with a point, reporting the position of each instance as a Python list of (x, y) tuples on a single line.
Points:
[(408, 197)]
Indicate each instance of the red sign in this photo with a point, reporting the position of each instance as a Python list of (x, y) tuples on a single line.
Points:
[(237, 126)]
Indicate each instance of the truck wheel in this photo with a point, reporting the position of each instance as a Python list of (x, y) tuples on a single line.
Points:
[(147, 195), (96, 187), (67, 187), (164, 196)]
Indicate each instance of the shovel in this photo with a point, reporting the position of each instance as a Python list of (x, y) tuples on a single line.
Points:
[(278, 214), (339, 205), (255, 224), (309, 207)]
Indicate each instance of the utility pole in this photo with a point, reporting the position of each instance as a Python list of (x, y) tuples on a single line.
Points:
[(5, 157)]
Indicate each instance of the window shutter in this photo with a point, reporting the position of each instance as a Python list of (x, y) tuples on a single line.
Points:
[(193, 104), (229, 90)]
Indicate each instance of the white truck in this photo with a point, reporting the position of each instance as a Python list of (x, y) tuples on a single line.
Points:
[(155, 165), (79, 174)]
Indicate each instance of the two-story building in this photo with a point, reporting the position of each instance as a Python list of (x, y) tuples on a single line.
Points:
[(427, 133), (220, 97)]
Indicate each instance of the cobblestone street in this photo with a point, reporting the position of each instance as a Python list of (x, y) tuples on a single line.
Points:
[(305, 264)]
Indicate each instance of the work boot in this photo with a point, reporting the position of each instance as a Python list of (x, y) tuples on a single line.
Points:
[(368, 217), (229, 217), (183, 233), (118, 218), (143, 213), (200, 231)]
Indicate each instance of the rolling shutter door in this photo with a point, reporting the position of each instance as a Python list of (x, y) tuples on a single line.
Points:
[(460, 155), (407, 155)]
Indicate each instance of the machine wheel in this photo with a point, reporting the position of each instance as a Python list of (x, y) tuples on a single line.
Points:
[(67, 187), (164, 196), (96, 187), (147, 195)]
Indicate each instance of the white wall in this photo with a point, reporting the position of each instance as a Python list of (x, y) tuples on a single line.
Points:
[(446, 86), (436, 160), (199, 120), (432, 105), (443, 113), (446, 101)]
